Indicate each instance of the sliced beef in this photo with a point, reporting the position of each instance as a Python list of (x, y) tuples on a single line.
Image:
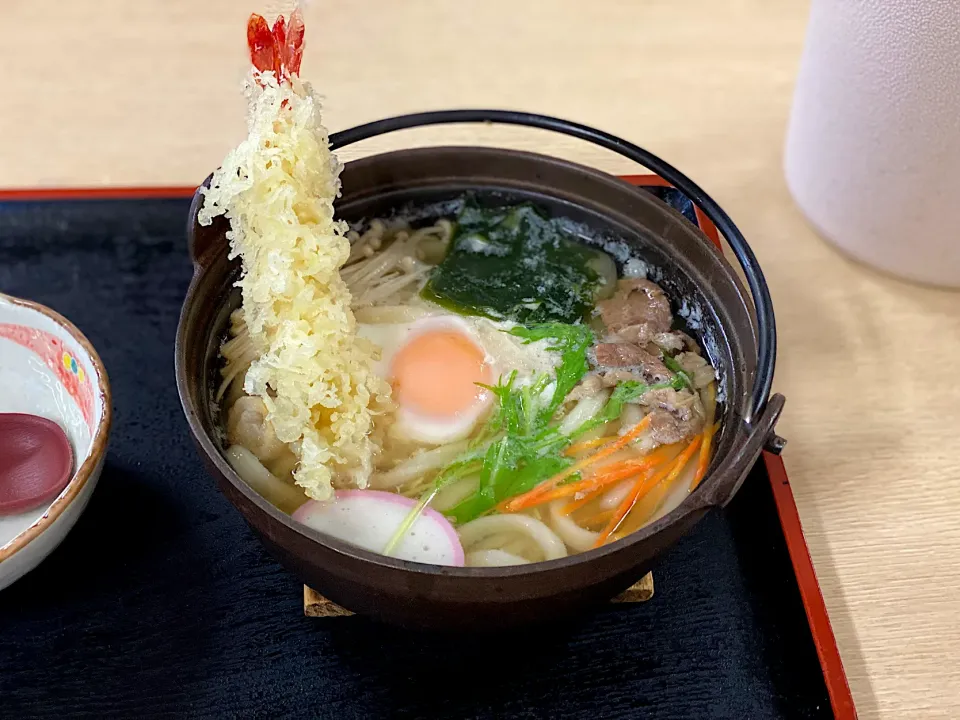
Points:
[(639, 307), (621, 355), (638, 321), (690, 343), (697, 368), (625, 355), (671, 342), (666, 428), (677, 415), (674, 341), (680, 401), (612, 377), (590, 385), (637, 334)]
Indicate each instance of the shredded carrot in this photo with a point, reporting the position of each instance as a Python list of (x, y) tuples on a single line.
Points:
[(709, 398), (660, 455), (547, 486), (684, 458), (594, 482), (588, 445), (604, 476), (704, 460), (600, 484), (575, 505), (623, 469), (649, 504), (597, 518), (622, 466), (653, 478), (624, 507)]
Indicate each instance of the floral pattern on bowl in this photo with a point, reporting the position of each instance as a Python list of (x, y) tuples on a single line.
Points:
[(48, 368)]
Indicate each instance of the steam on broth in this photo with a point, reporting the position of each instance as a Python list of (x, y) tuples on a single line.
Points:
[(480, 389)]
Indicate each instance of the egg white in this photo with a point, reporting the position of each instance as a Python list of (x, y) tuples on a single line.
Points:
[(503, 353)]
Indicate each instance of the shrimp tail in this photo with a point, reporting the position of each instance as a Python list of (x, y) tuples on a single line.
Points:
[(293, 48), (278, 50)]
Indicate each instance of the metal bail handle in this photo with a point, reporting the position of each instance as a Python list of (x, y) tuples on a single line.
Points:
[(762, 302)]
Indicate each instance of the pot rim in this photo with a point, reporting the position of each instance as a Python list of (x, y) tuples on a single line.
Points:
[(698, 501)]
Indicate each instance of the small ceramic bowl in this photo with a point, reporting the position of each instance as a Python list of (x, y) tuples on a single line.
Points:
[(48, 368)]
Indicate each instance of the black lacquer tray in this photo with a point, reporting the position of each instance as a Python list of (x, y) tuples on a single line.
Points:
[(161, 603)]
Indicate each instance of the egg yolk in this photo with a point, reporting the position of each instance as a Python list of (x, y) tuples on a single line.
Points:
[(437, 372)]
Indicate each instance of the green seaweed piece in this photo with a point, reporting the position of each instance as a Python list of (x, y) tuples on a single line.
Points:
[(514, 264)]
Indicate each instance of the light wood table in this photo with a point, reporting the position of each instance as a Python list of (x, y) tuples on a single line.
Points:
[(144, 93)]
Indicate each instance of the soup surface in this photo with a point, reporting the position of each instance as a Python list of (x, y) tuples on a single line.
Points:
[(540, 404)]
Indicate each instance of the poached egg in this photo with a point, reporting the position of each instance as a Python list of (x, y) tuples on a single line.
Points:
[(438, 366)]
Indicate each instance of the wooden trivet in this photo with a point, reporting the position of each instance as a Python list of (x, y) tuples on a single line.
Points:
[(316, 605)]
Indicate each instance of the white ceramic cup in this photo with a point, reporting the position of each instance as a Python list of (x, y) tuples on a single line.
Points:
[(873, 147)]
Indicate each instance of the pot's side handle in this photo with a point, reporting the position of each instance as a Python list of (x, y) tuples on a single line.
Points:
[(204, 242), (760, 434)]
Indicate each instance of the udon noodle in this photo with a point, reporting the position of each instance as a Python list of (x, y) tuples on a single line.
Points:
[(633, 343)]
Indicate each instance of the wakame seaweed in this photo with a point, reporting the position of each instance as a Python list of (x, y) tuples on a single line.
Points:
[(512, 263)]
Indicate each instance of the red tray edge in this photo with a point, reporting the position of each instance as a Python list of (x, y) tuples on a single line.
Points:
[(823, 638), (97, 193), (834, 676)]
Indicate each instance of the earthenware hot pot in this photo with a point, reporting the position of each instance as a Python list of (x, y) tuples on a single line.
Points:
[(735, 327)]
